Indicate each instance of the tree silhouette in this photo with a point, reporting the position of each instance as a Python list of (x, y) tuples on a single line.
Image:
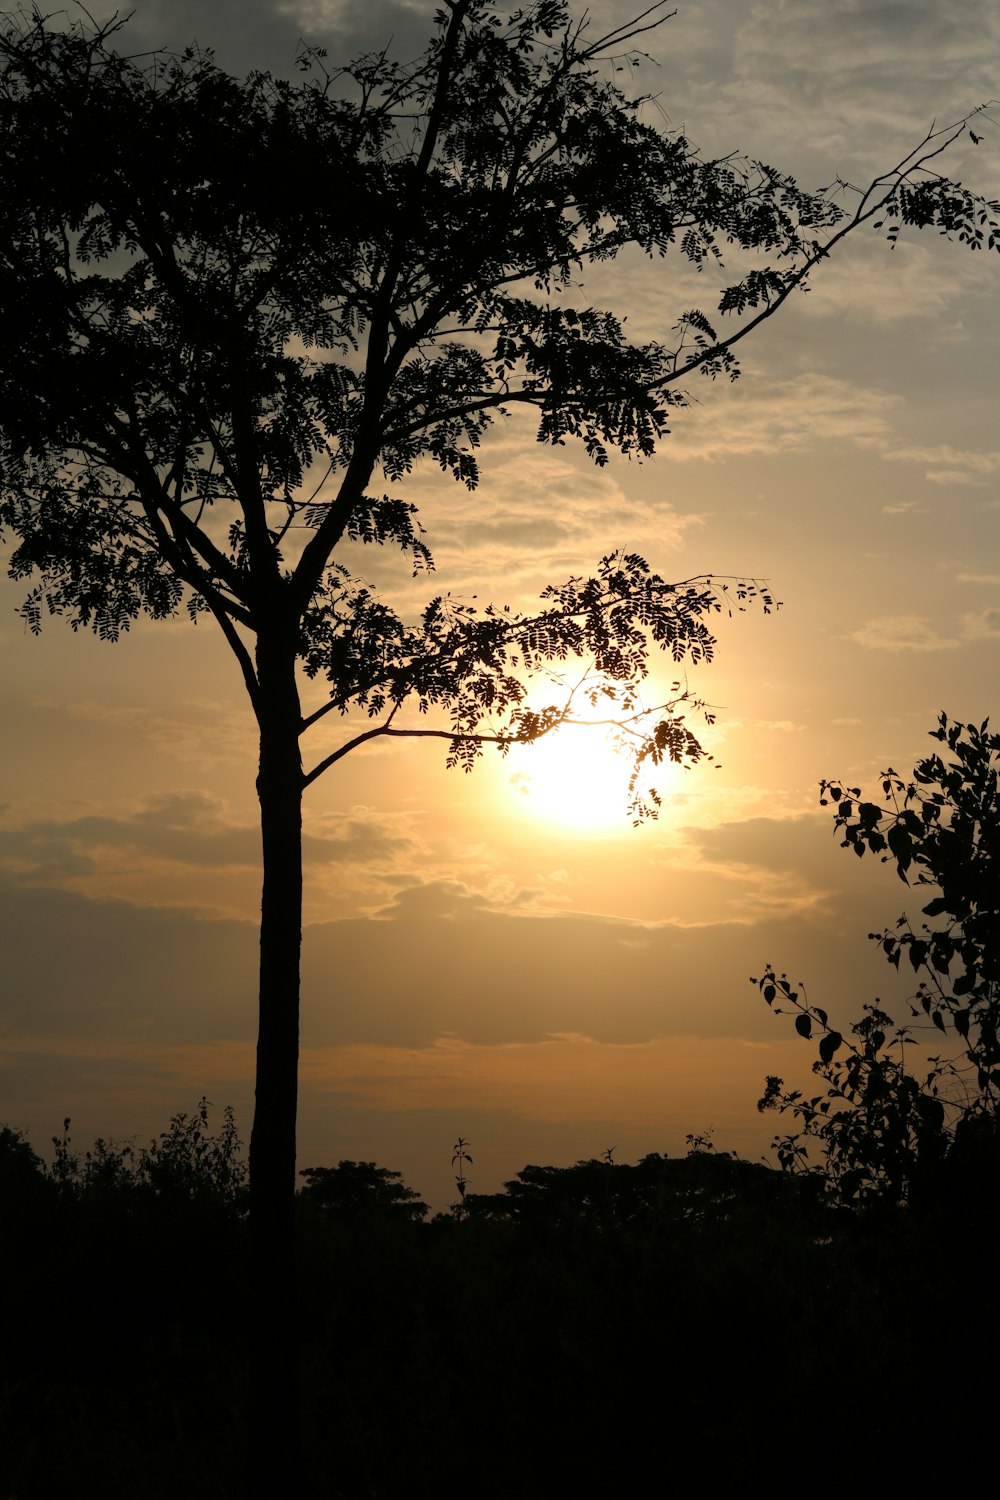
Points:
[(360, 1188), (231, 312), (879, 1127)]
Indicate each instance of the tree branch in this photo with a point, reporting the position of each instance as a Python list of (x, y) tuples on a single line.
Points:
[(563, 719), (862, 214)]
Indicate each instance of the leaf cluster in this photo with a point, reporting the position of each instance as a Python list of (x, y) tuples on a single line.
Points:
[(877, 1125), (941, 829), (475, 664)]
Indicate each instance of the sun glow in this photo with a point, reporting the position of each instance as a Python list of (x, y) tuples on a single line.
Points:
[(576, 778)]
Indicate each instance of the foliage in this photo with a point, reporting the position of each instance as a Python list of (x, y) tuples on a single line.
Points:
[(875, 1125), (878, 1126), (606, 1196), (22, 1171), (186, 1166), (461, 1159), (208, 356), (353, 1188), (556, 1315), (941, 829), (122, 1356)]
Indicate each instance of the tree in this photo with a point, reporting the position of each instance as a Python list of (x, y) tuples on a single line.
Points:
[(22, 1171), (360, 1189), (232, 311), (878, 1125), (609, 1196)]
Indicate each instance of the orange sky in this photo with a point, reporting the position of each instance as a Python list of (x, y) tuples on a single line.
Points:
[(477, 960)]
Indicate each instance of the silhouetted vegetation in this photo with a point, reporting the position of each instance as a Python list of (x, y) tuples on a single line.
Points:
[(882, 1131), (124, 1325), (585, 1328), (360, 1189)]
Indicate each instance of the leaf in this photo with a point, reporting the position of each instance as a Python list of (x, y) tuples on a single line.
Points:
[(803, 1025), (940, 957), (936, 907), (830, 1044), (917, 953)]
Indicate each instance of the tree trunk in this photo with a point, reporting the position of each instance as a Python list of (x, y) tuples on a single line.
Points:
[(273, 1448)]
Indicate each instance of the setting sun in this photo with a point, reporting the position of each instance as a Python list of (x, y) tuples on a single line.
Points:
[(578, 778)]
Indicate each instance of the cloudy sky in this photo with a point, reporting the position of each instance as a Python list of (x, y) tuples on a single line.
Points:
[(503, 956)]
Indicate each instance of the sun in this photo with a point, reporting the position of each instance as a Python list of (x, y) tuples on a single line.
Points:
[(575, 778)]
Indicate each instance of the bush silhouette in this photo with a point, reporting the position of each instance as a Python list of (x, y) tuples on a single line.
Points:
[(882, 1132)]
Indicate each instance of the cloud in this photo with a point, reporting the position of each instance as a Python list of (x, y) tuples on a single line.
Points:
[(200, 732), (569, 1077), (868, 283), (769, 416), (79, 969), (948, 465), (839, 77), (182, 847), (916, 633), (541, 514), (901, 633), (981, 625), (437, 960), (266, 34), (797, 847)]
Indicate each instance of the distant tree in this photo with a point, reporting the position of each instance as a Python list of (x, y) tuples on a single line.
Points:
[(608, 1196), (877, 1125), (360, 1188), (22, 1173), (231, 312)]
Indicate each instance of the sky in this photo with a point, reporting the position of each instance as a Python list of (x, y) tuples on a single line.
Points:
[(502, 956)]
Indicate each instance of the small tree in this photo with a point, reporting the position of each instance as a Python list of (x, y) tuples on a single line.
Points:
[(877, 1124), (942, 829), (355, 1189), (232, 311)]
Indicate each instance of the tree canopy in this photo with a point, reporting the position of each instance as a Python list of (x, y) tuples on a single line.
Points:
[(361, 1189), (231, 307)]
